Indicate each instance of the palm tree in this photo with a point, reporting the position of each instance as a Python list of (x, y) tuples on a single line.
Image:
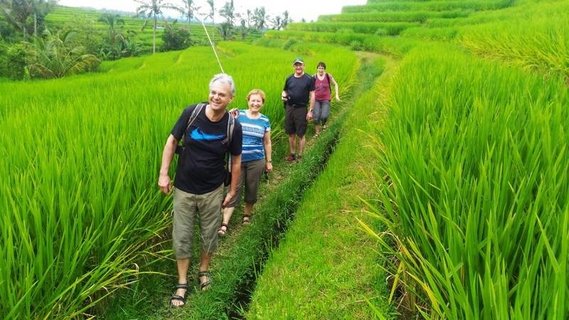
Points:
[(260, 18), (212, 9), (26, 15), (57, 56), (153, 9), (40, 9), (116, 40), (113, 20), (189, 9), (228, 12), (279, 22), (286, 19)]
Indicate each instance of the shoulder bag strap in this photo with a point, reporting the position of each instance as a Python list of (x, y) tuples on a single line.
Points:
[(193, 118)]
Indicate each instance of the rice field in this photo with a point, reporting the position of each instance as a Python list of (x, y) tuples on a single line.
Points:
[(479, 163), (131, 25), (469, 141), (472, 156), (81, 210)]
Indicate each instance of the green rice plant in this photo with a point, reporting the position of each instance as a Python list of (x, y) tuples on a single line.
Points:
[(535, 37), (477, 5), (81, 215), (474, 156), (424, 33), (385, 28), (389, 45), (395, 16)]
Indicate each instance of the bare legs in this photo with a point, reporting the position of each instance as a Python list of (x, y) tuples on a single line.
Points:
[(291, 144), (183, 266), (204, 267), (228, 212), (301, 143), (248, 209), (292, 141)]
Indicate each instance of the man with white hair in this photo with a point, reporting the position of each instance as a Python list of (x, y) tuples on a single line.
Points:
[(207, 133)]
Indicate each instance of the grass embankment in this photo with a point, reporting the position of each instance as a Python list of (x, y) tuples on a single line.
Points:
[(327, 267)]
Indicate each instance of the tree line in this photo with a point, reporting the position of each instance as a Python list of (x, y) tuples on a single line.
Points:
[(29, 48)]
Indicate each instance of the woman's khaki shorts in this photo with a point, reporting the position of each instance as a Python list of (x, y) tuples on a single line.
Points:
[(186, 205)]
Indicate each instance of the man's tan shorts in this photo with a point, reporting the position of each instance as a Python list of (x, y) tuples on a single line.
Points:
[(186, 205)]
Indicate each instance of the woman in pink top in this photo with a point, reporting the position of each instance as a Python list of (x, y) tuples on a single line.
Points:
[(323, 90)]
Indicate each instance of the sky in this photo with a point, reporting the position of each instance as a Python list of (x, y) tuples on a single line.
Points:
[(297, 9)]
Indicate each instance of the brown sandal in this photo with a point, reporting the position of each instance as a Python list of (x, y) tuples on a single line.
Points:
[(246, 219), (204, 285), (178, 297), (223, 229)]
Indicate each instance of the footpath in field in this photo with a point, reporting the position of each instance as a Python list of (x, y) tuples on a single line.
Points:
[(327, 267)]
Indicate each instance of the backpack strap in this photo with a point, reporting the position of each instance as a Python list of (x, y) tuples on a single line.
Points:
[(228, 139), (192, 119), (195, 114), (229, 131), (230, 123)]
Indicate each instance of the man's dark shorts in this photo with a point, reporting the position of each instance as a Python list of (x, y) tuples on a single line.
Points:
[(295, 120)]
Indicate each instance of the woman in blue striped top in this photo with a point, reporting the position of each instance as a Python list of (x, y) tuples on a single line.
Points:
[(255, 157)]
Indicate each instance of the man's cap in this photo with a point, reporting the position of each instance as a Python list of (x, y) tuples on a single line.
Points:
[(298, 60)]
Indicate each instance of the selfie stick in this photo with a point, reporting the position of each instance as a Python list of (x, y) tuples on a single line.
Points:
[(210, 42)]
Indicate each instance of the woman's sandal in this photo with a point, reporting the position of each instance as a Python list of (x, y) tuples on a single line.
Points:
[(204, 285), (246, 219), (223, 229), (179, 297)]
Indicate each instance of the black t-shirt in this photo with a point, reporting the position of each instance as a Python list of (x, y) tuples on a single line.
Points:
[(298, 90), (201, 165)]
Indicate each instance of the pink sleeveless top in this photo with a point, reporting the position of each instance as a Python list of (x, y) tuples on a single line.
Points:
[(321, 88)]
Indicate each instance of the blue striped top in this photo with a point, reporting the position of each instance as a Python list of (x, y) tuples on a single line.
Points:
[(253, 132)]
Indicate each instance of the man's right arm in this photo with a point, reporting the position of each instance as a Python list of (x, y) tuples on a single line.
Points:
[(164, 182), (284, 94)]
